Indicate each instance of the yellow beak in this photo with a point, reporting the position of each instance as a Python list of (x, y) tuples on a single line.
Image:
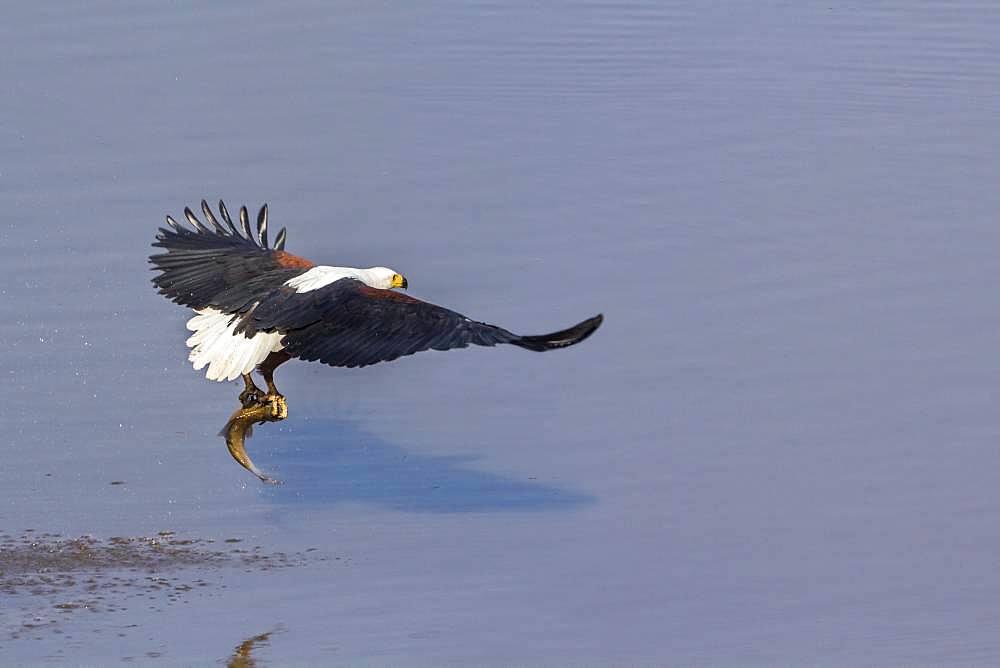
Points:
[(398, 281)]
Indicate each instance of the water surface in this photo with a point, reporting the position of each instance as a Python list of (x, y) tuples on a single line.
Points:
[(781, 446)]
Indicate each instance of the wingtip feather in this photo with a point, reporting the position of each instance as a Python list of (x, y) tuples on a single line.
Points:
[(193, 219), (262, 226), (229, 219), (245, 224), (561, 339), (207, 210)]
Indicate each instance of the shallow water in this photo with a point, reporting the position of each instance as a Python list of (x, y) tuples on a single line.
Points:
[(780, 447)]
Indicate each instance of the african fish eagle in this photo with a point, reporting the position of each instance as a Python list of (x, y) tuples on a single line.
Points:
[(258, 306)]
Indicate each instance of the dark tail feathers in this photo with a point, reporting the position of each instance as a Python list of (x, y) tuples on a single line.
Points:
[(562, 339)]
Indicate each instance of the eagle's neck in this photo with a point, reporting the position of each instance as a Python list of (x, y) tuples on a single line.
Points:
[(321, 276)]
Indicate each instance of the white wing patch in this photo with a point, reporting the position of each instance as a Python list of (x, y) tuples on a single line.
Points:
[(228, 355)]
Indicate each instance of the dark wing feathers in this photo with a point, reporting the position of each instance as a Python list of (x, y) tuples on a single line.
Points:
[(189, 214), (262, 226), (345, 323), (207, 210), (350, 324), (245, 224), (563, 338), (217, 267), (225, 216)]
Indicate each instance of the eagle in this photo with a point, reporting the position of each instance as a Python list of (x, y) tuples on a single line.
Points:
[(257, 306)]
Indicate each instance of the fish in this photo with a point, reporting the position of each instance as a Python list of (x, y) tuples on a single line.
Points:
[(254, 410)]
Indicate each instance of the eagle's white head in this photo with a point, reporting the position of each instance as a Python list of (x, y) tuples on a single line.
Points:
[(383, 277)]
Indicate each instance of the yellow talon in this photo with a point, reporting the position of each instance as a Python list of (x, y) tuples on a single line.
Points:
[(277, 407)]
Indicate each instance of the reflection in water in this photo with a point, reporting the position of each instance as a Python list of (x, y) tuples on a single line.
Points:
[(243, 654), (327, 462)]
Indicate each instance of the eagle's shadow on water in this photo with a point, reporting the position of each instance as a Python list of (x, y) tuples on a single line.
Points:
[(325, 462)]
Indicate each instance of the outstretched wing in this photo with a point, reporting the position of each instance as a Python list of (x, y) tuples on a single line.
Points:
[(226, 268), (350, 324)]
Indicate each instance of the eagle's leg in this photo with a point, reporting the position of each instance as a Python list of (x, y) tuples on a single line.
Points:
[(251, 394), (267, 367)]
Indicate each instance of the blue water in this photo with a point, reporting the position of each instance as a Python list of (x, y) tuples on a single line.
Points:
[(780, 447)]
